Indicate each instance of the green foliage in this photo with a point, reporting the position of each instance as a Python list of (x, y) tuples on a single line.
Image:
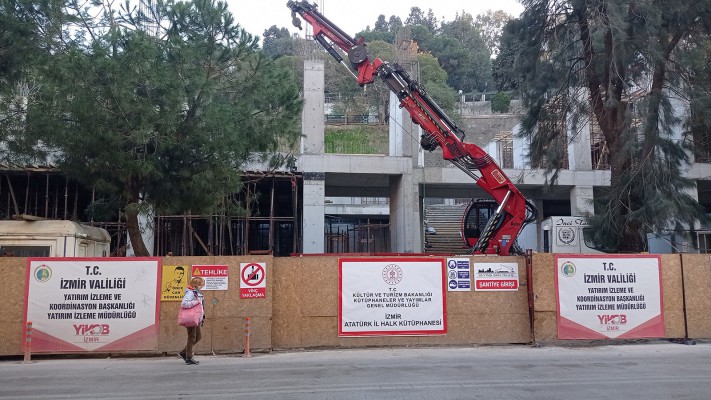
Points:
[(166, 120), (490, 26), (356, 139), (103, 209), (434, 79), (295, 64), (353, 100), (457, 46), (383, 31), (460, 51), (500, 102), (277, 42), (418, 17), (503, 71), (379, 95), (394, 24), (26, 40), (370, 35), (421, 35), (618, 64), (19, 38)]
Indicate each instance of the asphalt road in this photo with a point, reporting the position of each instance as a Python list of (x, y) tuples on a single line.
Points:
[(659, 370)]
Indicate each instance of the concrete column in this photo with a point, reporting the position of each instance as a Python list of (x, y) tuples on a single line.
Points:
[(539, 233), (520, 146), (314, 212), (581, 200), (694, 193), (312, 142), (312, 121), (579, 155), (395, 128), (405, 229), (404, 134)]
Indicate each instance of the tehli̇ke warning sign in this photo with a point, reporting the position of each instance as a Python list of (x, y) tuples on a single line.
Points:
[(215, 276)]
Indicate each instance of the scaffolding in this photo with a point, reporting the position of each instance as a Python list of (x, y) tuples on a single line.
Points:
[(42, 192), (358, 236), (268, 223), (267, 219), (553, 127)]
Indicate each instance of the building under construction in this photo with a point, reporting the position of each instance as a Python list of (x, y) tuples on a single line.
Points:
[(267, 224)]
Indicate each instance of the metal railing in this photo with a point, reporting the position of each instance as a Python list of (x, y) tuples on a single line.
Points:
[(341, 119)]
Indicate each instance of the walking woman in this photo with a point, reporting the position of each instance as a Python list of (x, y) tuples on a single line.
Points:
[(192, 298)]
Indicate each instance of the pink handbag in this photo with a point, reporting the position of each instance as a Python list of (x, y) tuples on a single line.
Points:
[(189, 317)]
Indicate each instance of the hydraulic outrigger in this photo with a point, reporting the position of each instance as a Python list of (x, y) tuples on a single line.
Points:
[(513, 212)]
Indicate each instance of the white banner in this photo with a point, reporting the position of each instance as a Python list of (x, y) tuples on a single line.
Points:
[(253, 281), (609, 296), (93, 304), (496, 277), (392, 296), (215, 276)]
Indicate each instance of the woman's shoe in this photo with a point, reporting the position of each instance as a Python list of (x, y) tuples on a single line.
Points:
[(191, 361)]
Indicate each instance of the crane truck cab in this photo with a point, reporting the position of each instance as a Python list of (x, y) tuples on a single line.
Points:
[(52, 238), (566, 235)]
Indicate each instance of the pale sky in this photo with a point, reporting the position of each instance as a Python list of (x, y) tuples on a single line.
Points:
[(353, 16)]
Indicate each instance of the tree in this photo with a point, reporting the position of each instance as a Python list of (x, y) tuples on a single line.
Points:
[(339, 84), (490, 26), (500, 102), (418, 17), (434, 80), (370, 35), (28, 34), (167, 121), (18, 38), (379, 94), (394, 24), (381, 25), (277, 42), (422, 36), (617, 63), (384, 30), (698, 58), (503, 67), (463, 54)]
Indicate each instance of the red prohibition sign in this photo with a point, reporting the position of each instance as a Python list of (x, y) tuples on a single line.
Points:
[(257, 272)]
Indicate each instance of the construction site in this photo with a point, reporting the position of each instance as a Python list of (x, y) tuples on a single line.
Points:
[(386, 197), (267, 226)]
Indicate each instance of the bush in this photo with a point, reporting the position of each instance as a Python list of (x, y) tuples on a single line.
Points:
[(500, 102)]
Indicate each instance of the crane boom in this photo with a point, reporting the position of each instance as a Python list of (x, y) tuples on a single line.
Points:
[(513, 212)]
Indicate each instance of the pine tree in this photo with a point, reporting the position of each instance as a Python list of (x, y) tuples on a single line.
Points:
[(164, 121)]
